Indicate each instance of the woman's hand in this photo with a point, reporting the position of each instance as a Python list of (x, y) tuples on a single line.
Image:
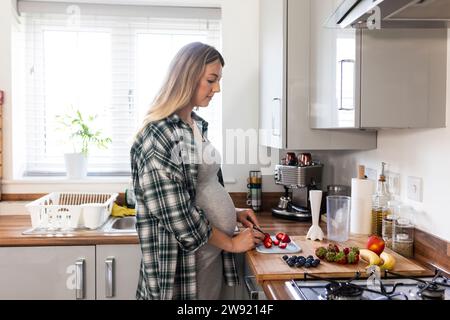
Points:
[(247, 217), (243, 242)]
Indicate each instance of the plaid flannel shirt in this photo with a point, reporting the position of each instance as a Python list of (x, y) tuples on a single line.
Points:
[(170, 226)]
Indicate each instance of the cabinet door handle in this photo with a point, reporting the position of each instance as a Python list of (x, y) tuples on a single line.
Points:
[(79, 278), (252, 291), (109, 277), (276, 114), (341, 93)]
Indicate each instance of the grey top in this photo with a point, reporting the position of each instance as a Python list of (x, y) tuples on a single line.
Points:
[(219, 208)]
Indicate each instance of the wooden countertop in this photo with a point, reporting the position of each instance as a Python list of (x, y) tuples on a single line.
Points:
[(12, 226), (277, 289)]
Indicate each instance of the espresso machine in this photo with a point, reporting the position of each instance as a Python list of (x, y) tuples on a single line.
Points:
[(297, 180)]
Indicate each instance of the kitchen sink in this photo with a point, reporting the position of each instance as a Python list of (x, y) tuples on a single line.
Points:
[(120, 225)]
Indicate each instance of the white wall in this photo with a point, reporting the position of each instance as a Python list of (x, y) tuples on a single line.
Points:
[(420, 153)]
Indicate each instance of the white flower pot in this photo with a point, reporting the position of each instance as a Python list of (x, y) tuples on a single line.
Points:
[(76, 165)]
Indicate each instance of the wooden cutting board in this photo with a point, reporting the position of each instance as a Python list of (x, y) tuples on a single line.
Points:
[(268, 266)]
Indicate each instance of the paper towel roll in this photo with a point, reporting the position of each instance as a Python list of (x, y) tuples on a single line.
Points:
[(361, 210)]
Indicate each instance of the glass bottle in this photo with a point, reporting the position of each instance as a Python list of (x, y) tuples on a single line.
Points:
[(389, 220), (380, 203), (403, 237)]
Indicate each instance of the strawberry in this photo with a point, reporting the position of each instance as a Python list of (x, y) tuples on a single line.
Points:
[(346, 251), (276, 242), (279, 235), (333, 248), (353, 257), (283, 245), (267, 242), (321, 252), (330, 256), (283, 237), (340, 258)]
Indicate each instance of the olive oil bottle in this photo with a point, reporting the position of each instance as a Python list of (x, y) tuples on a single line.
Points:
[(379, 203)]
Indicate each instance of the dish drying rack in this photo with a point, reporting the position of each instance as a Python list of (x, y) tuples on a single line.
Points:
[(71, 210)]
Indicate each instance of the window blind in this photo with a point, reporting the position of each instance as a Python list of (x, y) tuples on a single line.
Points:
[(103, 64)]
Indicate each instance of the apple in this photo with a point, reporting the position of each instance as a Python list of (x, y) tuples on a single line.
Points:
[(375, 244)]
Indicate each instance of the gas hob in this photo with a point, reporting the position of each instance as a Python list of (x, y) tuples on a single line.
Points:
[(390, 286)]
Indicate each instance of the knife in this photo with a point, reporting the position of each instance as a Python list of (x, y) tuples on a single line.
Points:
[(258, 229)]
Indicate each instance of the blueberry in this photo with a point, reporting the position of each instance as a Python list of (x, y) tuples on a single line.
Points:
[(301, 257), (285, 257), (291, 263), (314, 264), (294, 257), (317, 261), (300, 263), (307, 265), (310, 257)]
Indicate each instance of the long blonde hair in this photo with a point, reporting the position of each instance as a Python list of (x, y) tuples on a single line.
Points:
[(181, 81)]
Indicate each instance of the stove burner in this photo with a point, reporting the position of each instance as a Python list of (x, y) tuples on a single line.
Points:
[(431, 291), (343, 291)]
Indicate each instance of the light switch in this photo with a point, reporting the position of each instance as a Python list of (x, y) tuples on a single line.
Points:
[(414, 187)]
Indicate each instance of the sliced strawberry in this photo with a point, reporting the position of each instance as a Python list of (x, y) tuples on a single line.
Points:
[(285, 238), (283, 245), (267, 242), (276, 242), (280, 235), (346, 251)]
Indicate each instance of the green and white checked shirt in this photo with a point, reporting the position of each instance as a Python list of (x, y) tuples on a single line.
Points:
[(164, 167)]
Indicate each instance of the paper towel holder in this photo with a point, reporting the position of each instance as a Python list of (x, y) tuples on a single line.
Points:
[(362, 172)]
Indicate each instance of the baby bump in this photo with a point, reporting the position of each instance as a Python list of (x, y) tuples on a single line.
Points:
[(218, 206)]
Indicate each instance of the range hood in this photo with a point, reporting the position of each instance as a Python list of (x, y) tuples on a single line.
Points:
[(392, 13)]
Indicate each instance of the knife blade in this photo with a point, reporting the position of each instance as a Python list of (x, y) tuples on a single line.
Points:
[(258, 229)]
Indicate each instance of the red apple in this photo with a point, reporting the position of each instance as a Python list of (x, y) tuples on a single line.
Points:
[(375, 244)]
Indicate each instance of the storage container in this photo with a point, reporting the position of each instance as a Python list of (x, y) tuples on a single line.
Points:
[(71, 210)]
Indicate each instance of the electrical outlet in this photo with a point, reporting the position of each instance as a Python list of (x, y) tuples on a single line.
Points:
[(393, 182), (371, 174), (414, 188)]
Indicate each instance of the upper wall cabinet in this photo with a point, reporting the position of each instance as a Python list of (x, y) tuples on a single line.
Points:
[(285, 83), (387, 78)]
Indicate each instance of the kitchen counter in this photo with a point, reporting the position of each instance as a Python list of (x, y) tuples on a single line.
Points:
[(11, 228), (276, 289)]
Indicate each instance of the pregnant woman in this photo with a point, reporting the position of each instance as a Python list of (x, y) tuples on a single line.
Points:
[(185, 218)]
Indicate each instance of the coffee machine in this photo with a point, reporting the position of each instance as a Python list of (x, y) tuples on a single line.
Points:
[(297, 182)]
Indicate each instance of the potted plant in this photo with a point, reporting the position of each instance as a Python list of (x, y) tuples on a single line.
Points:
[(81, 133)]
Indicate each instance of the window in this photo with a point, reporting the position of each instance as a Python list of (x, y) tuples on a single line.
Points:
[(110, 65)]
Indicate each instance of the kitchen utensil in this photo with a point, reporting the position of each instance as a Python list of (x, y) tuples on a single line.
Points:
[(315, 232), (338, 218), (258, 229)]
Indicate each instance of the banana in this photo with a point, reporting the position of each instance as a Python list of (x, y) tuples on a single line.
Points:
[(388, 261), (370, 257)]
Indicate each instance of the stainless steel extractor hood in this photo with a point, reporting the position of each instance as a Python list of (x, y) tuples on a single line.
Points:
[(376, 14)]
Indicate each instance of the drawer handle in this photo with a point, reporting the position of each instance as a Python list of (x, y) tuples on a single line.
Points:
[(109, 277), (253, 292), (79, 278)]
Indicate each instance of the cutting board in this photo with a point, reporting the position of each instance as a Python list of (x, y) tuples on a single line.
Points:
[(273, 267)]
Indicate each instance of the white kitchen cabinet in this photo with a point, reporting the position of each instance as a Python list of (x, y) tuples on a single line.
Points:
[(387, 78), (117, 271), (285, 83), (48, 273)]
